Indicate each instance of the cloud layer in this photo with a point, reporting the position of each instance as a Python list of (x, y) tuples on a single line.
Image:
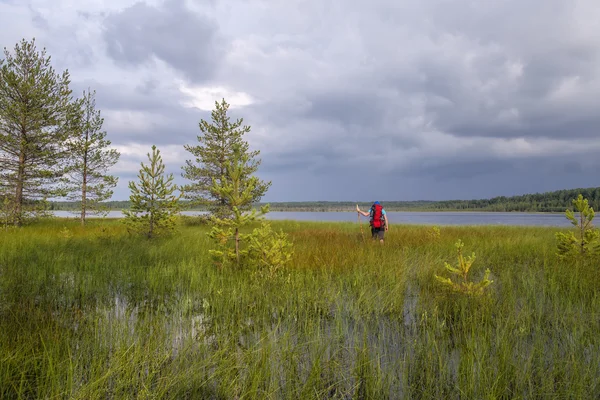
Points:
[(347, 100)]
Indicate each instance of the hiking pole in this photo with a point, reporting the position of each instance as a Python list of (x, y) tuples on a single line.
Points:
[(360, 224)]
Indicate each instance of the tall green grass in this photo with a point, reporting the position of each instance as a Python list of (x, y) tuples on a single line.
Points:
[(94, 313)]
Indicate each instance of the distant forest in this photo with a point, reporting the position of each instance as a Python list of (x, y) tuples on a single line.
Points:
[(556, 201)]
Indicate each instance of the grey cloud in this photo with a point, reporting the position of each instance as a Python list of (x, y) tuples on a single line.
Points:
[(491, 35), (573, 167), (547, 126), (464, 170), (544, 72), (159, 108), (351, 99), (468, 114), (346, 107), (176, 128), (336, 125), (174, 34), (548, 172), (38, 19), (404, 79), (146, 95)]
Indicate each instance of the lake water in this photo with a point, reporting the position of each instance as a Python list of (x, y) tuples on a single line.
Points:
[(408, 217)]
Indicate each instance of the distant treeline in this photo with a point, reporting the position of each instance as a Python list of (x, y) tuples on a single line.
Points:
[(556, 201)]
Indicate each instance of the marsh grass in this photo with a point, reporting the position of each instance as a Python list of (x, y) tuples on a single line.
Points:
[(94, 313)]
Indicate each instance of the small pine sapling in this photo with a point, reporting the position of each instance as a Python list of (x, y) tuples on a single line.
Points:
[(227, 230), (586, 242), (434, 233), (269, 251), (153, 205), (238, 193), (261, 248), (462, 270)]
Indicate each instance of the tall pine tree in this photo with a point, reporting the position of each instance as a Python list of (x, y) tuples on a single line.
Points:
[(153, 205), (86, 180), (212, 156), (36, 111)]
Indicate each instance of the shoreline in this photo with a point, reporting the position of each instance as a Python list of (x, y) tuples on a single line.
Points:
[(75, 213)]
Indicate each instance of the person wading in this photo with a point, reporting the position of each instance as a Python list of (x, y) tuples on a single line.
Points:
[(378, 220)]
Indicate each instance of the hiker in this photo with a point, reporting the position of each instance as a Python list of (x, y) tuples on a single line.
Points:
[(379, 221)]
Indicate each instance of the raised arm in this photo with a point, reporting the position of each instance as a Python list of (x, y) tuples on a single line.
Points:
[(366, 214)]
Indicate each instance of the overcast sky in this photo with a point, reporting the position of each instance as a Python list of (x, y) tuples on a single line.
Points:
[(347, 100)]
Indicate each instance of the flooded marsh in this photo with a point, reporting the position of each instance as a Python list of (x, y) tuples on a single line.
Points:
[(93, 313)]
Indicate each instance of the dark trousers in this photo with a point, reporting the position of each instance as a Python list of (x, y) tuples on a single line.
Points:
[(377, 233)]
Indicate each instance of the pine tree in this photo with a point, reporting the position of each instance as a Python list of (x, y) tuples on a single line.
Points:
[(213, 154), (153, 199), (462, 271), (36, 111), (238, 196), (569, 246), (263, 248), (86, 180)]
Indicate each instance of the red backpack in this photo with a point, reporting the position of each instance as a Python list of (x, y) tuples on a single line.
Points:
[(377, 220)]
